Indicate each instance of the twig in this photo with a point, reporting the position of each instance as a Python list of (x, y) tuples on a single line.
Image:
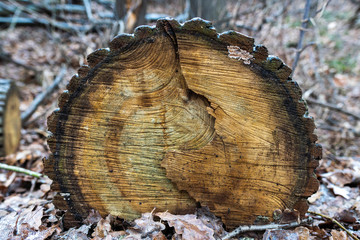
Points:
[(249, 228), (332, 107), (347, 158), (322, 9), (88, 9), (41, 21), (21, 170), (304, 25), (336, 222), (7, 57), (13, 23), (41, 97)]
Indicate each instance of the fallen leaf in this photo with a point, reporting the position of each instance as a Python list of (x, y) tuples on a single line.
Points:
[(345, 216), (340, 191), (102, 229), (145, 228), (315, 196), (189, 226), (211, 221), (77, 233), (289, 216), (93, 217), (8, 225), (299, 233), (31, 217), (340, 80), (44, 234), (339, 177), (338, 235)]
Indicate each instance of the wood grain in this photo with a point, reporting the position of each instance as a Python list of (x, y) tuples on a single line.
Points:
[(179, 115)]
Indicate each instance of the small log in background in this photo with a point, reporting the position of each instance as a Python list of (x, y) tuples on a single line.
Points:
[(10, 121), (177, 115)]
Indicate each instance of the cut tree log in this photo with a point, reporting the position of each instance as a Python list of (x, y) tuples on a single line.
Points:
[(10, 122), (178, 115)]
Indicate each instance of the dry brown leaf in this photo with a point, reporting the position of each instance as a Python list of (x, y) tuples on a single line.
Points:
[(93, 217), (147, 224), (10, 179), (30, 217), (346, 216), (145, 228), (77, 233), (300, 233), (43, 234), (339, 177), (18, 202), (118, 234), (340, 191), (210, 220), (189, 226), (338, 235), (315, 196), (340, 80), (289, 216), (8, 225), (102, 229)]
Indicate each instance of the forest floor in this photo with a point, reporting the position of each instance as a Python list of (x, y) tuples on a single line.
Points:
[(328, 73)]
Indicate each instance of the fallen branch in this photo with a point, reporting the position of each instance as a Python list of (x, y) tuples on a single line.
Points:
[(9, 9), (249, 228), (41, 21), (41, 97), (7, 57), (304, 25), (333, 107), (336, 222), (21, 170), (87, 5)]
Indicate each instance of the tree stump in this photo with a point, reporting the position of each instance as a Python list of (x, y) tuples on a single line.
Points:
[(10, 121), (177, 115)]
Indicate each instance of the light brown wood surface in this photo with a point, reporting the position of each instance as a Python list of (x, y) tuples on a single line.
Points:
[(10, 122), (177, 116)]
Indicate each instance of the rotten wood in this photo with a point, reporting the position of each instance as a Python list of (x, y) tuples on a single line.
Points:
[(179, 114)]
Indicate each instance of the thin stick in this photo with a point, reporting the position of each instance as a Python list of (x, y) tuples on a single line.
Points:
[(88, 9), (304, 25), (21, 170), (333, 107), (336, 222), (7, 57), (41, 97), (249, 228)]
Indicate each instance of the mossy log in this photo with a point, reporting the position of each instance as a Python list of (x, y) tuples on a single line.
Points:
[(10, 121), (178, 115)]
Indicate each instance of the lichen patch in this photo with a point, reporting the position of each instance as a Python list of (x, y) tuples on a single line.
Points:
[(239, 54)]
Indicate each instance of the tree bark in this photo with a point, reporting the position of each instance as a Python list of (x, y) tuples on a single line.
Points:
[(179, 114), (132, 12)]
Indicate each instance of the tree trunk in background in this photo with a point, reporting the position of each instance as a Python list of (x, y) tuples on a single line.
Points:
[(132, 12), (212, 10)]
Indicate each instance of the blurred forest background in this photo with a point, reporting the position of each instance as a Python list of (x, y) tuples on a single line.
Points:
[(42, 42)]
